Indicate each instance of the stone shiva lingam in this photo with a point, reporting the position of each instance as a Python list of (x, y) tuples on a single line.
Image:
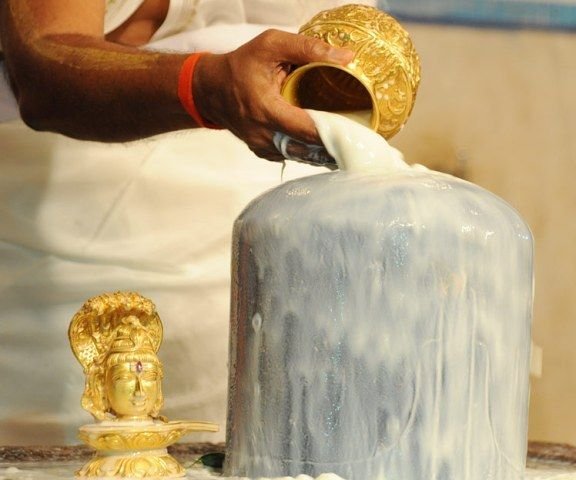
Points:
[(380, 318), (116, 337)]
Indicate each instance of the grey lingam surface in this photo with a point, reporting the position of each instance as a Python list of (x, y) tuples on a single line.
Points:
[(380, 330)]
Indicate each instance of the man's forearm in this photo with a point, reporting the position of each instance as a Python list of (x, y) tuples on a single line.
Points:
[(89, 89)]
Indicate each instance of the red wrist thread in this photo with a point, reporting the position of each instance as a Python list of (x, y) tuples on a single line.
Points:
[(185, 93)]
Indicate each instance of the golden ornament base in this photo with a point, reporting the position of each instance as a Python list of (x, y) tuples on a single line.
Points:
[(158, 464), (136, 449)]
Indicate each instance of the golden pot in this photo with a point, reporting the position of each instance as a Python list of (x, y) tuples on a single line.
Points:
[(381, 81)]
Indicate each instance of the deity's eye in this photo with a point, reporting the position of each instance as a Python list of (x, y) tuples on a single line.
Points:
[(150, 376), (123, 377), (139, 367)]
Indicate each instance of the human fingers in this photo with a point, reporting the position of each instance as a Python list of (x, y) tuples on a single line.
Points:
[(300, 49), (277, 116), (303, 152), (292, 120)]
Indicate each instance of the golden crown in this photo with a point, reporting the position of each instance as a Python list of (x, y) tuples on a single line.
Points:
[(114, 322)]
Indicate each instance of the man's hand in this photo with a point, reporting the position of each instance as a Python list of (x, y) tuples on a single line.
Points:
[(241, 90)]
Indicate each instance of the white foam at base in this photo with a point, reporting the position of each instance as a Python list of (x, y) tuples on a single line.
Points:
[(324, 476), (66, 471)]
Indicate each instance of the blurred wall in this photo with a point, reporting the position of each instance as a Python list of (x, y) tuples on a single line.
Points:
[(498, 108)]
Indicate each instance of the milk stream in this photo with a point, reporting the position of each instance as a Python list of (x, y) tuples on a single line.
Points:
[(361, 117), (380, 324), (355, 147)]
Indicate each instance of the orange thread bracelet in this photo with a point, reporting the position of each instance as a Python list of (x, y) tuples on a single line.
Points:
[(185, 90)]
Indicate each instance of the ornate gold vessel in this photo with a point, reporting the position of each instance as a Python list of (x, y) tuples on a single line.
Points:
[(116, 337), (381, 81)]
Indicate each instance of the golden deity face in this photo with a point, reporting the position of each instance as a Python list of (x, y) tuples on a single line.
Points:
[(133, 389), (116, 337)]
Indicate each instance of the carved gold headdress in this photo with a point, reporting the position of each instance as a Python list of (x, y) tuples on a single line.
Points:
[(132, 336), (111, 323)]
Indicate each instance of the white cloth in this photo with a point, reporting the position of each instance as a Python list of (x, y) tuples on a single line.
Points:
[(181, 14), (81, 218), (118, 11)]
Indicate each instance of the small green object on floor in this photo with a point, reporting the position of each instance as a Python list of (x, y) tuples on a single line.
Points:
[(212, 460)]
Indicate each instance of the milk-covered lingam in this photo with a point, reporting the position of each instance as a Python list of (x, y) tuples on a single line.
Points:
[(380, 329)]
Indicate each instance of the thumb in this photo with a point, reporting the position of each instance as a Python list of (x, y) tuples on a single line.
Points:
[(294, 122), (301, 49)]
